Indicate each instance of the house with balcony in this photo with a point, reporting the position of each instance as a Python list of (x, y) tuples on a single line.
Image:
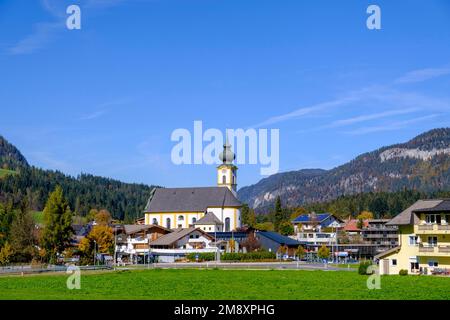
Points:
[(423, 241), (132, 241), (379, 234), (316, 229), (180, 242)]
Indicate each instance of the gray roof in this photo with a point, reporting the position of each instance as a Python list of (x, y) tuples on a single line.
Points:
[(408, 217), (191, 199), (443, 206), (133, 228), (386, 253), (209, 218), (176, 235)]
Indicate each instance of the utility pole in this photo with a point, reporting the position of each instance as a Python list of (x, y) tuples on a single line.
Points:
[(95, 252), (115, 247)]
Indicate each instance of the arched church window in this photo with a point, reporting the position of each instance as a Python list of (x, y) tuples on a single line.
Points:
[(155, 221), (227, 224), (180, 218), (168, 223), (194, 220), (224, 179)]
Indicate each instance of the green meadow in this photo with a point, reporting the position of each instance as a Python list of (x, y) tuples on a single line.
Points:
[(223, 284)]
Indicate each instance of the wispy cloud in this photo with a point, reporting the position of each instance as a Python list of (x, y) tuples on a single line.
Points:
[(373, 116), (44, 32), (94, 115), (396, 125), (306, 110), (384, 97), (104, 109), (423, 75)]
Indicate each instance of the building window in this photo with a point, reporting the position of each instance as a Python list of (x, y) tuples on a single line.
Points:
[(224, 179), (433, 218), (155, 221), (227, 224), (180, 218), (433, 263), (432, 241), (194, 220), (168, 223), (394, 262), (209, 228), (412, 240)]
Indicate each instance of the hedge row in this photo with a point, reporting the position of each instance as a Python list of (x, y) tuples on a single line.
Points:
[(250, 256), (205, 256), (261, 255)]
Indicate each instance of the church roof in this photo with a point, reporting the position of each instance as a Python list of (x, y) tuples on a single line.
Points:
[(209, 218), (190, 199)]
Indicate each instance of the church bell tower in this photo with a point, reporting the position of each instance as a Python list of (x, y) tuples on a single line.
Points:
[(226, 172)]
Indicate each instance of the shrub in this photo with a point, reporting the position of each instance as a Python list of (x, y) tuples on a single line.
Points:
[(250, 256), (362, 269), (403, 272), (204, 256)]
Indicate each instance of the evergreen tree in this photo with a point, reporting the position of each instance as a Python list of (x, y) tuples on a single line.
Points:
[(58, 230), (278, 214), (23, 235)]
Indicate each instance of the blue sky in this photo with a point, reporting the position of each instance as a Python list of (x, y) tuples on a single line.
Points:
[(105, 99)]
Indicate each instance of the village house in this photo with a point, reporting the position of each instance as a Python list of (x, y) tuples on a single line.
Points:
[(179, 243), (423, 242)]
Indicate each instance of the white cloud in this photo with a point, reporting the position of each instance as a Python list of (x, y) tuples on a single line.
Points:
[(373, 116), (392, 125), (423, 75)]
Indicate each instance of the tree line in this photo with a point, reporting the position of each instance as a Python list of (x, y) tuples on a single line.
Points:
[(23, 241), (126, 201)]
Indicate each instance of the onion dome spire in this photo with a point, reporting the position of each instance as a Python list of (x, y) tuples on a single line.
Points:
[(227, 156)]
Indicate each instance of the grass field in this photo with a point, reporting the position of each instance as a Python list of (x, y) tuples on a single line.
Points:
[(4, 172), (223, 284)]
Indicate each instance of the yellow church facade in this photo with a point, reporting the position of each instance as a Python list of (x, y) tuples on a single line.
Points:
[(184, 207)]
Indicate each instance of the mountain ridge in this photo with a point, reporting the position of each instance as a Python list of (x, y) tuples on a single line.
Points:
[(422, 163)]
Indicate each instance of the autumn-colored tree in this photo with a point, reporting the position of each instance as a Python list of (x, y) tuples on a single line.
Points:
[(323, 252), (6, 254), (251, 243), (103, 217), (92, 214), (100, 240), (300, 252), (364, 215)]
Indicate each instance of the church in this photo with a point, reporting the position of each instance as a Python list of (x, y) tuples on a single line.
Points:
[(211, 209)]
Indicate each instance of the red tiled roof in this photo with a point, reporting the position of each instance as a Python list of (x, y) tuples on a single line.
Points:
[(352, 225)]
